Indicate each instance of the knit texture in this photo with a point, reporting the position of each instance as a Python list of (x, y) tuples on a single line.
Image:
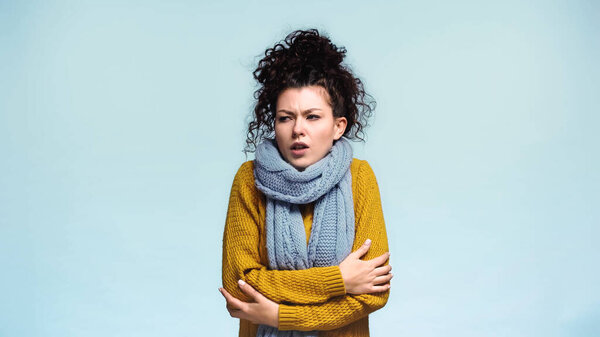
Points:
[(313, 298), (327, 183)]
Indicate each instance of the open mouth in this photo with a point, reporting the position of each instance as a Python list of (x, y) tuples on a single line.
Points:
[(298, 149), (299, 146)]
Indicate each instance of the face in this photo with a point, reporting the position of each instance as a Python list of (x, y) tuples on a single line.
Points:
[(304, 125)]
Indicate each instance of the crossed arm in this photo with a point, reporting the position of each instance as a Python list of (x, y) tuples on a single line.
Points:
[(320, 298), (360, 277)]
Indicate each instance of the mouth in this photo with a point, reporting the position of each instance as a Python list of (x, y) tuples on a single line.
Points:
[(299, 148)]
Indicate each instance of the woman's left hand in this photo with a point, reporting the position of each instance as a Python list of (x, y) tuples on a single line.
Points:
[(261, 311)]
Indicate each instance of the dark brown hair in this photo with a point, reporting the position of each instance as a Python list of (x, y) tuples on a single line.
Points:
[(306, 58)]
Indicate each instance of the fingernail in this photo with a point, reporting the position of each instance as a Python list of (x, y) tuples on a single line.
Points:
[(368, 242), (241, 282)]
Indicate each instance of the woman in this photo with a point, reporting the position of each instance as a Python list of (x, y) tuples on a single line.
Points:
[(305, 248)]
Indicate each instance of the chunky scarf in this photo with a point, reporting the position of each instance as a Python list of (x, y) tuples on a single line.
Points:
[(329, 184)]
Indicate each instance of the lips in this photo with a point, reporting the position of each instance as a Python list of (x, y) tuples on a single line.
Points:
[(298, 149), (299, 146)]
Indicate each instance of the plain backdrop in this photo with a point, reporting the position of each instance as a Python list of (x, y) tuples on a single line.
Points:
[(122, 125)]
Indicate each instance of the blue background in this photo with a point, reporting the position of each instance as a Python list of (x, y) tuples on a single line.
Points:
[(122, 124)]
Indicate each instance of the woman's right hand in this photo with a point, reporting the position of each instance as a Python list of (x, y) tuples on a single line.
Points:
[(364, 277)]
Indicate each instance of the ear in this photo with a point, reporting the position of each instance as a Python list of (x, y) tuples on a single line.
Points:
[(340, 127)]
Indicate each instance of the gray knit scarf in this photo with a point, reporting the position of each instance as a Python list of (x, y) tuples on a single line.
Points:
[(329, 184)]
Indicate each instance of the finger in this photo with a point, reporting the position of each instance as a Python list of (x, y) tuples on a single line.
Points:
[(382, 270), (231, 307), (380, 260), (232, 302), (380, 288), (248, 290), (362, 250), (234, 313), (383, 279)]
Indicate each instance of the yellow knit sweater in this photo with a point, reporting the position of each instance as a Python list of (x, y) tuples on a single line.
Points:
[(310, 299)]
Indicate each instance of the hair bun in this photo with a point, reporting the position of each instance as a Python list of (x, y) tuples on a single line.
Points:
[(311, 48)]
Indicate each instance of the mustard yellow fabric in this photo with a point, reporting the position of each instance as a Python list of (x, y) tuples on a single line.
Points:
[(310, 299)]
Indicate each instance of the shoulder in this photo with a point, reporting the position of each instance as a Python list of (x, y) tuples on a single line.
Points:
[(246, 170), (361, 170), (365, 190), (363, 178), (244, 187), (244, 177)]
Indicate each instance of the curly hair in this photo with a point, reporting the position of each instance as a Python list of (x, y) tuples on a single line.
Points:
[(307, 58)]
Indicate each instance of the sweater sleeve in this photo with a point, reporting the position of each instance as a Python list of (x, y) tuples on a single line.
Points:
[(343, 310), (241, 259)]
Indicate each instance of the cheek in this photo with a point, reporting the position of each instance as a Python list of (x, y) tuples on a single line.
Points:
[(283, 126), (325, 133), (324, 141), (279, 132)]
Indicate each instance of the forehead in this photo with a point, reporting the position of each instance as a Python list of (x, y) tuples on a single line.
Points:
[(303, 98)]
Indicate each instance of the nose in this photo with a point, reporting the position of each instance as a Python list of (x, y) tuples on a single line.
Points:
[(298, 129)]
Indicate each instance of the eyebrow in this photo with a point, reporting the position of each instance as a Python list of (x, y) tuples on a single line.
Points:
[(303, 112)]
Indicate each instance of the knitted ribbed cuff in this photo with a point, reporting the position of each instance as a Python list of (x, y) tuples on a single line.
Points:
[(287, 317), (333, 281)]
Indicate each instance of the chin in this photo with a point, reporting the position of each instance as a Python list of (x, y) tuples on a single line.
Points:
[(299, 165)]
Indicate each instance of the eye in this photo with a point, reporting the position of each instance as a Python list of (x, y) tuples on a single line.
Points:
[(282, 118), (313, 116)]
